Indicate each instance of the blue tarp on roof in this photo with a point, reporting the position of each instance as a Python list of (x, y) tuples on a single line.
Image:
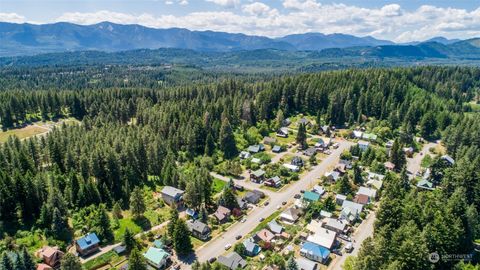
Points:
[(88, 241), (315, 250)]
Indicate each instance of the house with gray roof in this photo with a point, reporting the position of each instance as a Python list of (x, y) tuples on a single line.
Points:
[(275, 227), (199, 229), (232, 261), (251, 248), (172, 196)]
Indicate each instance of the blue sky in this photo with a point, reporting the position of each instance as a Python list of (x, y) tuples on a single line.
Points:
[(401, 21)]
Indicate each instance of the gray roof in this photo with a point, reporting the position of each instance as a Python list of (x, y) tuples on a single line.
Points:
[(232, 261), (337, 224), (275, 227), (277, 148), (172, 192), (310, 151), (252, 197), (197, 226), (449, 159), (352, 205), (305, 264), (258, 173)]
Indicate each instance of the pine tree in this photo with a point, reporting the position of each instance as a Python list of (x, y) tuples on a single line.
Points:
[(291, 264), (70, 262), (117, 210), (357, 175), (102, 224), (228, 199), (136, 261), (181, 238), (27, 260), (227, 140), (129, 240), (137, 203), (397, 156), (7, 263), (58, 223), (173, 221), (279, 120), (209, 145), (302, 136)]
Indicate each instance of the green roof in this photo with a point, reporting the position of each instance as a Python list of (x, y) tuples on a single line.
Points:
[(311, 196), (155, 255), (158, 243)]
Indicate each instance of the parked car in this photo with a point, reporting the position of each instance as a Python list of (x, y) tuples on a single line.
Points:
[(278, 207), (266, 203), (212, 260), (284, 202), (302, 191), (262, 219), (243, 220), (238, 237), (297, 196), (228, 246), (344, 237), (337, 251), (349, 247)]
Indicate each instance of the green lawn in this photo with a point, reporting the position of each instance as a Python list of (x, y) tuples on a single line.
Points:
[(108, 258), (124, 224), (218, 185), (264, 223), (22, 133)]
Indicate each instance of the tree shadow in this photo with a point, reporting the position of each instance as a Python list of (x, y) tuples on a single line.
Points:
[(143, 222)]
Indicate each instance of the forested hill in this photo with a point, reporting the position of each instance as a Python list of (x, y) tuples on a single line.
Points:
[(134, 137)]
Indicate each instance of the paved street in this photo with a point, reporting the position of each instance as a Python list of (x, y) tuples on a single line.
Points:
[(216, 246)]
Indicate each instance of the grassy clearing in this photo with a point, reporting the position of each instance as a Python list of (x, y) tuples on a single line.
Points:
[(264, 223), (22, 133), (124, 224), (110, 257), (218, 185)]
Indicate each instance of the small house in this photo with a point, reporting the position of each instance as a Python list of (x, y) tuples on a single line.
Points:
[(369, 137), (297, 161), (332, 176), (199, 229), (257, 176), (323, 237), (51, 256), (361, 199), (304, 121), (357, 134), (389, 166), (275, 227), (256, 148), (232, 261), (276, 149), (273, 182), (282, 132), (269, 140), (305, 264), (370, 192), (351, 210), (408, 151), (156, 257), (340, 198), (448, 159), (43, 266), (87, 244), (172, 196), (425, 184), (244, 155), (363, 145), (336, 225), (319, 190), (251, 249), (241, 203), (315, 252), (290, 215), (293, 168), (264, 235), (222, 214), (311, 151), (325, 214), (309, 197), (252, 197)]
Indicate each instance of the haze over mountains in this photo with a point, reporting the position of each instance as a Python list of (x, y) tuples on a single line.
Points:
[(29, 39)]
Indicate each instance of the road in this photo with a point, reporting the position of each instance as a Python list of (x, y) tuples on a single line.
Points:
[(414, 163), (363, 231), (216, 246)]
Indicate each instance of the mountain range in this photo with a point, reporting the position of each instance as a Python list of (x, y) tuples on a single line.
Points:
[(30, 39)]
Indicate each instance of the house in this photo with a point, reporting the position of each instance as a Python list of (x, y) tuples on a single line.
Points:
[(369, 137), (275, 227), (314, 226), (315, 252), (351, 210), (51, 256), (305, 122), (310, 197), (269, 140), (286, 122), (319, 190), (172, 196), (120, 249), (244, 155), (336, 225), (264, 235), (361, 199), (156, 257), (377, 184), (257, 176), (340, 198), (252, 197), (408, 151), (256, 148), (323, 237), (42, 266), (325, 130), (448, 159), (256, 160), (251, 249), (87, 245), (370, 192), (199, 229), (375, 180), (357, 134), (389, 166), (311, 151), (363, 145), (241, 204), (325, 214), (389, 144), (273, 182), (290, 215), (297, 161), (191, 213), (332, 176), (276, 149), (293, 168), (282, 132), (158, 244), (425, 184), (305, 264), (222, 214), (232, 261)]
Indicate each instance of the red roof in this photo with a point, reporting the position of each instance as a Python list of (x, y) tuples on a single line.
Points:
[(42, 266), (361, 199)]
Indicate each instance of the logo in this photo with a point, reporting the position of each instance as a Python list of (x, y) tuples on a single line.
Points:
[(434, 257)]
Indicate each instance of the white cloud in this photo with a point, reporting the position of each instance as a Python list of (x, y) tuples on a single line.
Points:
[(299, 16), (12, 18), (226, 3)]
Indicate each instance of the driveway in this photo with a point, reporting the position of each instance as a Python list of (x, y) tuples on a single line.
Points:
[(216, 246), (414, 163)]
